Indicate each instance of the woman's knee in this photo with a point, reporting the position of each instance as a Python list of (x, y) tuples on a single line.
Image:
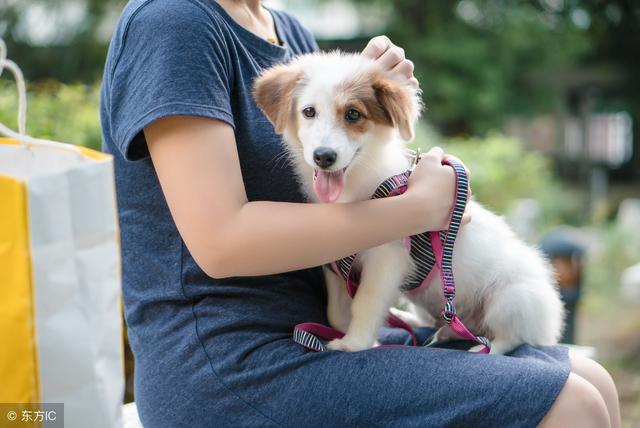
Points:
[(598, 376), (593, 372), (579, 404)]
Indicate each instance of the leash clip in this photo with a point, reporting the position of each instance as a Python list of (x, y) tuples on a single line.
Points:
[(415, 160)]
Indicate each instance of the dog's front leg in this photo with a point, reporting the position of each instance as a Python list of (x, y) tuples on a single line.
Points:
[(338, 300), (383, 270)]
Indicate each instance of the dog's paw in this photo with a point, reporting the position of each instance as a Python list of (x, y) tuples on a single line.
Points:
[(478, 348), (337, 345), (349, 344), (501, 347), (408, 317)]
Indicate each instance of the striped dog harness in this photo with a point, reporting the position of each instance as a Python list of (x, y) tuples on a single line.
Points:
[(419, 246), (431, 252)]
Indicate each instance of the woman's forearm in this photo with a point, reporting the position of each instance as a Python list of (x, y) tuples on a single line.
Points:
[(269, 237), (228, 236)]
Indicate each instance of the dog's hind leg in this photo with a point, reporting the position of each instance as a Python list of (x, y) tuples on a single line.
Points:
[(383, 270), (527, 312)]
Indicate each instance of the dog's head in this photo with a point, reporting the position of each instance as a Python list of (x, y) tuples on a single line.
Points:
[(332, 107)]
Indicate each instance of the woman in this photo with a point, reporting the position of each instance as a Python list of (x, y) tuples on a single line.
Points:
[(211, 217)]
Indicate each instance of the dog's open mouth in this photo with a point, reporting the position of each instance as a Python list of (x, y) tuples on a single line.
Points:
[(328, 185)]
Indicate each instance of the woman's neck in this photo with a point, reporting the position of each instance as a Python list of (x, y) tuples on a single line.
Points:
[(252, 16), (254, 6)]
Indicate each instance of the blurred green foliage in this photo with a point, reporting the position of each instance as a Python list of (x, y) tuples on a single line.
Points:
[(67, 113), (482, 61), (503, 170), (477, 73), (479, 61), (74, 52), (617, 248)]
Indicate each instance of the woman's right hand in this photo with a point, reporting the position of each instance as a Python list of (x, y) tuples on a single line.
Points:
[(431, 192)]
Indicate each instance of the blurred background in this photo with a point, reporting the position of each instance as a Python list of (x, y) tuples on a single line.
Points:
[(540, 98)]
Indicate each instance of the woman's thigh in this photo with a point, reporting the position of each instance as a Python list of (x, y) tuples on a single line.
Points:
[(407, 387), (281, 384)]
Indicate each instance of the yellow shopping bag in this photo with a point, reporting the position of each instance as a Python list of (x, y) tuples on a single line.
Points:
[(60, 296)]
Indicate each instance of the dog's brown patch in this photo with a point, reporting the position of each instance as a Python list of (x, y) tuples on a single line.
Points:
[(274, 92), (395, 99), (380, 100), (359, 94)]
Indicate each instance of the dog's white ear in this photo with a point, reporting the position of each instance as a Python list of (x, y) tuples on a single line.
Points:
[(400, 102), (274, 93)]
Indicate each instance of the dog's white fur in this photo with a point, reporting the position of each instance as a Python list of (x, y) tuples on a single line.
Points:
[(505, 289)]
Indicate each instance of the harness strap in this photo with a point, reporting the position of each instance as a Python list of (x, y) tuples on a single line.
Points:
[(419, 246), (308, 334), (443, 251), (442, 243)]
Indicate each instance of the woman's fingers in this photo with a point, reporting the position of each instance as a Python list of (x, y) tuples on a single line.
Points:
[(456, 159), (466, 219), (438, 184), (391, 57), (404, 68), (469, 192), (376, 47), (435, 154)]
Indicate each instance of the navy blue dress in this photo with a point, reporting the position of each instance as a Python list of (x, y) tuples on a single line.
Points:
[(218, 352)]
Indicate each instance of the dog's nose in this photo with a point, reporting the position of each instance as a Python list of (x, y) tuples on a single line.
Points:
[(324, 157)]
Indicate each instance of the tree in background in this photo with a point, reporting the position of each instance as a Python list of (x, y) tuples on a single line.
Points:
[(480, 61), (64, 40)]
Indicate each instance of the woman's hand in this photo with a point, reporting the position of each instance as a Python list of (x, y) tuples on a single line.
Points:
[(391, 57), (432, 191), (432, 183)]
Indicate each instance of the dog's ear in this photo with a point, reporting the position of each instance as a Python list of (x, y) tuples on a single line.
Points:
[(274, 93), (400, 102)]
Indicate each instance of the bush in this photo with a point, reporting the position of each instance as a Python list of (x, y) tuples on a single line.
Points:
[(67, 113)]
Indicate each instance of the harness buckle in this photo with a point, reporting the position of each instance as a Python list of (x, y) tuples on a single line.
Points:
[(415, 160), (449, 311)]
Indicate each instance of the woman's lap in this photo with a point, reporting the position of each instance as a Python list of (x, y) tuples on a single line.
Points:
[(424, 387), (280, 384)]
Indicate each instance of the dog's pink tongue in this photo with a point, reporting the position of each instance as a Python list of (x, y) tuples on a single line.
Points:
[(328, 185)]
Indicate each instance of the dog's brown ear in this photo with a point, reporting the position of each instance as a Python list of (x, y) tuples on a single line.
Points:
[(274, 93), (400, 102)]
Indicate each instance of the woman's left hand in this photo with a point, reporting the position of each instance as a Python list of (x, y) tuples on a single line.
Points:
[(391, 57)]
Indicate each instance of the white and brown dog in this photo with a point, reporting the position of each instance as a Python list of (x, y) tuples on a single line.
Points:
[(346, 123)]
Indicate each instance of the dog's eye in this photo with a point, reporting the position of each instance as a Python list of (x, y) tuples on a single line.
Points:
[(352, 115), (309, 112)]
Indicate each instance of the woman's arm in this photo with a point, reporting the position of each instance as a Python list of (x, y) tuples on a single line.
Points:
[(196, 161)]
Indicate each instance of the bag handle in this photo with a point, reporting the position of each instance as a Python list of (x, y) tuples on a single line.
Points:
[(22, 87), (21, 135)]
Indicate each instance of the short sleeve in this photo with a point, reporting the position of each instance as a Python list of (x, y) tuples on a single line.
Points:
[(299, 32), (172, 62)]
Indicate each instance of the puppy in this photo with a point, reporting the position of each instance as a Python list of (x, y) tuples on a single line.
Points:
[(346, 122)]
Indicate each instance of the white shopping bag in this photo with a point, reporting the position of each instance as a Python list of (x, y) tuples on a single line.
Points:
[(60, 292)]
